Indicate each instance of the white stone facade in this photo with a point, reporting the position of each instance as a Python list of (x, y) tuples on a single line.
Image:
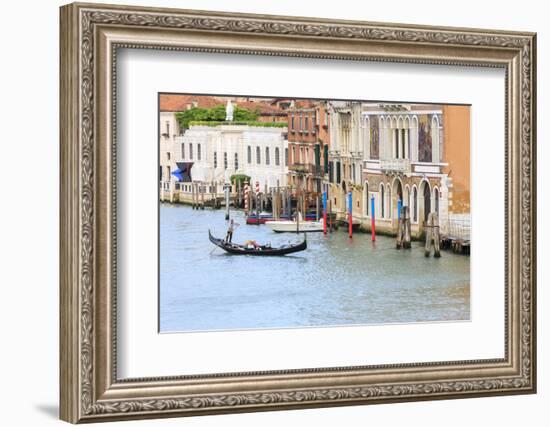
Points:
[(217, 152)]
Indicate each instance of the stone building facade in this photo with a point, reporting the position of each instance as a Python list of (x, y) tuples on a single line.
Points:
[(308, 144), (217, 152), (386, 154)]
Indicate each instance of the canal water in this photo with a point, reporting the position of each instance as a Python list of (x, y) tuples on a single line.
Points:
[(336, 281)]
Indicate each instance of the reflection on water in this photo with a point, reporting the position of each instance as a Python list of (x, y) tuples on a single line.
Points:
[(336, 281)]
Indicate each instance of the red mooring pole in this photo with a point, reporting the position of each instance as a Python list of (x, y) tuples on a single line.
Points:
[(350, 215), (372, 220)]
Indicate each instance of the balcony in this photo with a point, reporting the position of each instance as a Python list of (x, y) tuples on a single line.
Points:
[(305, 169), (396, 166)]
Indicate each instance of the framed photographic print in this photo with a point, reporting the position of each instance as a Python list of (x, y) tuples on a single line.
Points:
[(267, 212)]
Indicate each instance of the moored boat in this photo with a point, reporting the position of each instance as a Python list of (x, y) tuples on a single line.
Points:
[(255, 249), (265, 217), (295, 226)]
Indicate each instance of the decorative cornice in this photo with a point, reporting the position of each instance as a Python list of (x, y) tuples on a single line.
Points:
[(263, 26), (313, 396)]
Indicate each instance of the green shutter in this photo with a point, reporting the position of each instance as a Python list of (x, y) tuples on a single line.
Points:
[(317, 158)]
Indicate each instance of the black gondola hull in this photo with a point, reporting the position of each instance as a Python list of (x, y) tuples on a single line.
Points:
[(236, 249)]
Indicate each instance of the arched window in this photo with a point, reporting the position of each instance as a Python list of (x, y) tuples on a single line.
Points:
[(435, 139), (249, 154), (388, 197), (367, 201), (277, 160), (415, 205), (267, 155), (382, 202), (258, 156)]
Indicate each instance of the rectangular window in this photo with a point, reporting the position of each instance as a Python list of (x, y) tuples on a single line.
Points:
[(225, 160), (338, 173), (215, 160), (191, 151), (167, 128), (277, 160), (236, 161), (249, 154), (168, 173), (301, 122), (198, 151), (267, 155), (292, 122), (306, 125), (167, 155), (182, 150), (258, 156), (286, 156)]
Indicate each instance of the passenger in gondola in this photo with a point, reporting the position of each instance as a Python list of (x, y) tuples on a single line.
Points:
[(232, 226)]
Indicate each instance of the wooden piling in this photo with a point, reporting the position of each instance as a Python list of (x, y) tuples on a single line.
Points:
[(227, 189), (432, 236), (330, 214), (404, 229), (317, 207)]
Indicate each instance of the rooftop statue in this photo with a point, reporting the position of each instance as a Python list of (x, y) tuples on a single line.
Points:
[(229, 112)]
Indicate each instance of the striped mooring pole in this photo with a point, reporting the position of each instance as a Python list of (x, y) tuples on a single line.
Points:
[(257, 202), (246, 197)]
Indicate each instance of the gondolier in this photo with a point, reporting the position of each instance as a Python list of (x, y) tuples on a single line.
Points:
[(232, 226)]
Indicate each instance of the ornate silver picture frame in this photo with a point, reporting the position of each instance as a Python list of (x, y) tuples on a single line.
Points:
[(91, 35)]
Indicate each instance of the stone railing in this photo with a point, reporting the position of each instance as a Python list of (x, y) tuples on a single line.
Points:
[(305, 168), (396, 165)]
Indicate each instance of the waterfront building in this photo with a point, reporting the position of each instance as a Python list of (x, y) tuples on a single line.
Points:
[(345, 153), (210, 154), (308, 145), (169, 129), (417, 155), (220, 151)]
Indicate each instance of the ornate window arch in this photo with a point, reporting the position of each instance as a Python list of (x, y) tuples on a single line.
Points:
[(366, 198), (382, 201), (436, 194), (414, 207), (435, 138)]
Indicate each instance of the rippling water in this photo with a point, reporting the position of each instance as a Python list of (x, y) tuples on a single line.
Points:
[(336, 281)]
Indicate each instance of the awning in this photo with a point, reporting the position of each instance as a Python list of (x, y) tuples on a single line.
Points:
[(183, 172)]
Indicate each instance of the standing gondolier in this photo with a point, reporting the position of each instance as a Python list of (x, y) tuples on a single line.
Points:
[(232, 226)]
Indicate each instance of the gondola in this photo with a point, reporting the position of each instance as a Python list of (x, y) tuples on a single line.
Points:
[(264, 250)]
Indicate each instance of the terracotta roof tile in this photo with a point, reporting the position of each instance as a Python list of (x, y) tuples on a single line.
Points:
[(174, 102), (183, 102)]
